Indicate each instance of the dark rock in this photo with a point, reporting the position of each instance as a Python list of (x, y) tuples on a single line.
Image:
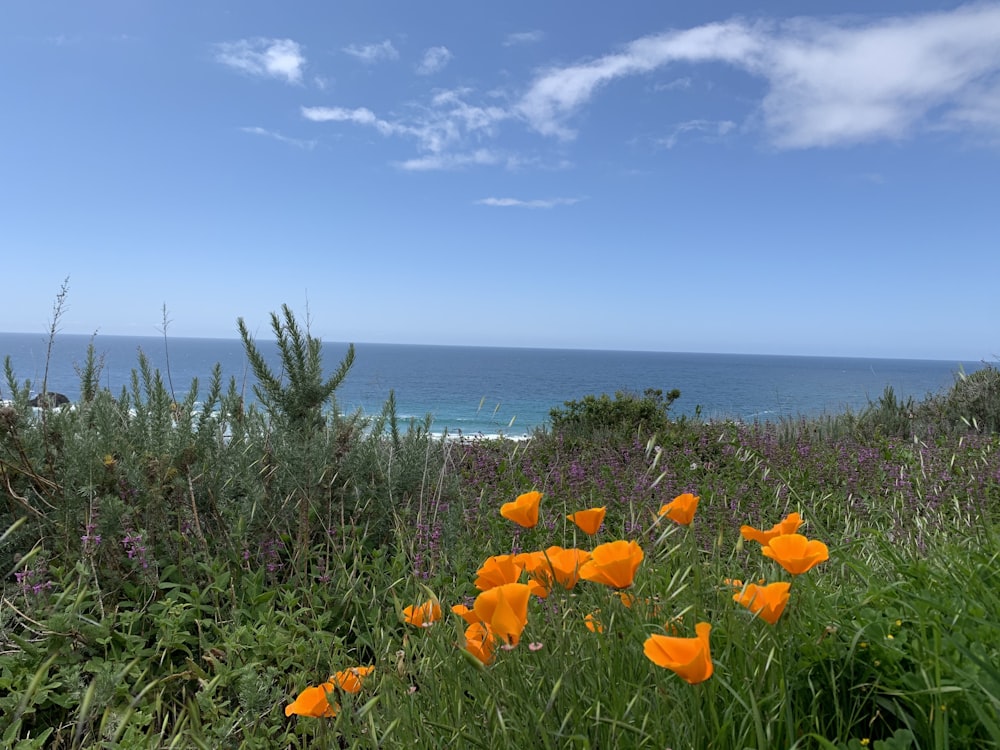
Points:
[(48, 400)]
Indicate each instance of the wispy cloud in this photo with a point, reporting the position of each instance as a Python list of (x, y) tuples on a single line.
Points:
[(359, 116), (453, 160), (60, 40), (558, 93), (825, 83), (373, 53), (446, 130), (523, 37), (875, 178), (435, 59), (711, 129), (297, 142), (674, 85), (829, 83), (518, 203), (267, 58)]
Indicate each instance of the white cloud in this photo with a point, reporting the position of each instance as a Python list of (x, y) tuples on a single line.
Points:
[(560, 92), (674, 85), (435, 59), (267, 58), (372, 53), (297, 142), (359, 116), (823, 83), (518, 203), (828, 83), (712, 129), (523, 37), (439, 161), (447, 131), (833, 85)]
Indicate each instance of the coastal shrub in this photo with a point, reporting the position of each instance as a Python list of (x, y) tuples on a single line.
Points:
[(889, 416), (298, 395), (972, 403), (306, 434), (626, 415), (168, 480)]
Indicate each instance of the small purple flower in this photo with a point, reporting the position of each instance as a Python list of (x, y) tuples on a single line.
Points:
[(135, 549), (33, 581), (90, 540)]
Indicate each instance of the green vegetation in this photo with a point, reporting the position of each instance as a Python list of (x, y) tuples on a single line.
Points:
[(176, 572), (601, 417)]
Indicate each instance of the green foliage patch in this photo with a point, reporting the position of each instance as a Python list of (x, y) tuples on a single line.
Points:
[(177, 569)]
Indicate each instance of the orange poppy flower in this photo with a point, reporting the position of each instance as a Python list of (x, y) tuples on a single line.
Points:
[(588, 521), (768, 602), (630, 602), (423, 615), (613, 564), (555, 565), (480, 642), (530, 560), (469, 615), (524, 510), (313, 701), (593, 624), (627, 599), (788, 525), (498, 570), (689, 658), (505, 610), (795, 553), (681, 509), (349, 680)]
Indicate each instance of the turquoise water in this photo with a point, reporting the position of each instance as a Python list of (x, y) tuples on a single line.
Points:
[(483, 390)]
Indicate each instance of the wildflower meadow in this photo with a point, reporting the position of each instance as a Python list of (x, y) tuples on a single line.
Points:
[(209, 570)]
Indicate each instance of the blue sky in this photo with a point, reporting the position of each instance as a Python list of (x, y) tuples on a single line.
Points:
[(708, 177)]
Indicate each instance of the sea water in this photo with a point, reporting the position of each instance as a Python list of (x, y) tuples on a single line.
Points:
[(510, 391)]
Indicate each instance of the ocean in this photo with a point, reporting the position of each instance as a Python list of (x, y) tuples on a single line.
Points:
[(490, 391)]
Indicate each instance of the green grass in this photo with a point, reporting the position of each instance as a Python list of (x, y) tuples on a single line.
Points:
[(175, 574)]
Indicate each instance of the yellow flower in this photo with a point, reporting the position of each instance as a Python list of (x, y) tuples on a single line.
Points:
[(795, 553), (627, 599), (593, 624), (498, 570), (788, 525), (313, 701), (554, 565), (469, 615), (524, 510), (349, 680), (768, 602), (681, 509), (613, 564), (689, 658), (423, 615), (505, 610), (588, 521), (480, 642)]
